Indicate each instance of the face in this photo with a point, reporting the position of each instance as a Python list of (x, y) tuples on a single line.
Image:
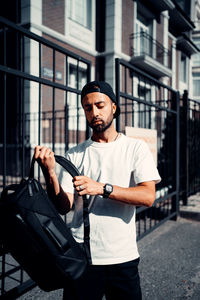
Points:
[(99, 111)]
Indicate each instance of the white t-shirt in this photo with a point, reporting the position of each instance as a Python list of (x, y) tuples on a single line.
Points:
[(125, 163)]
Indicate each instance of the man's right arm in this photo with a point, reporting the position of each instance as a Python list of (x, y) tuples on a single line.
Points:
[(62, 200)]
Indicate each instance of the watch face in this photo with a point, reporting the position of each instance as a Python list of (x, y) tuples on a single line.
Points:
[(109, 188)]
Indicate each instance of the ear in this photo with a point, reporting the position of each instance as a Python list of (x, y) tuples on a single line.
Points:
[(114, 108)]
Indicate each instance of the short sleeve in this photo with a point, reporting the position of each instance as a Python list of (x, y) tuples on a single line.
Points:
[(144, 165)]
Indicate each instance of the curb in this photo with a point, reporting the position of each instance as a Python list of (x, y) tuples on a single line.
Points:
[(195, 216)]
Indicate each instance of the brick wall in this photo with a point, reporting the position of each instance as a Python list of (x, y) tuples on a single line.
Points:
[(159, 30), (159, 38), (53, 14), (47, 93), (127, 25)]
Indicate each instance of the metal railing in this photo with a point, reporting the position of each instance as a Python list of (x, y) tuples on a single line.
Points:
[(147, 103), (143, 44), (190, 147), (40, 86)]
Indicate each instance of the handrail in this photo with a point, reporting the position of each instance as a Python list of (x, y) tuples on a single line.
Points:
[(143, 43)]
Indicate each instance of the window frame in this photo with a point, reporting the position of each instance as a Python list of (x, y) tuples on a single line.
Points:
[(77, 34)]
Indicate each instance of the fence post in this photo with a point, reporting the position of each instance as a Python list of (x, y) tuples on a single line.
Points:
[(184, 146), (117, 89), (175, 199)]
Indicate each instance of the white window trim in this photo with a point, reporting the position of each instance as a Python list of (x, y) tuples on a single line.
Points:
[(197, 79), (77, 34), (183, 85), (139, 23), (173, 54)]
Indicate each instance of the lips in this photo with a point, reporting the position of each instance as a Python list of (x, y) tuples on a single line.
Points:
[(97, 122)]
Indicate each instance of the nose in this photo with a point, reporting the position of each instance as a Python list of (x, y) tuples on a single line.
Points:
[(95, 111)]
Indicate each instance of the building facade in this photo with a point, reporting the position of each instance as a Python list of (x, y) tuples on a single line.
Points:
[(156, 37), (161, 38)]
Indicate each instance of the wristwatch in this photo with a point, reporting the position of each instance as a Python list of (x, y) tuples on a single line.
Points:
[(107, 190)]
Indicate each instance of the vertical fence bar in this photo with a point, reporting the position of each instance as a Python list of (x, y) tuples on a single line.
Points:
[(4, 110), (4, 147), (53, 104), (176, 207), (117, 89), (23, 128), (126, 101), (77, 103), (185, 147), (22, 117), (66, 140), (88, 79), (39, 105), (39, 95)]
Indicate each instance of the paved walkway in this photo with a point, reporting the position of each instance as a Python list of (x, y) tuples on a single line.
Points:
[(170, 260)]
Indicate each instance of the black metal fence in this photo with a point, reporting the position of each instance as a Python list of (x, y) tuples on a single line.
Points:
[(40, 85), (147, 103), (189, 147)]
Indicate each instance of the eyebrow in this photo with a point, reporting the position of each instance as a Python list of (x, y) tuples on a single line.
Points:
[(98, 102)]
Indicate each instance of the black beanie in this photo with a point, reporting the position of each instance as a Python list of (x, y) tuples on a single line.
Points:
[(100, 87)]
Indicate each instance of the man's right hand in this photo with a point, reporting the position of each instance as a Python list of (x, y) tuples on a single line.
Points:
[(62, 200), (45, 158)]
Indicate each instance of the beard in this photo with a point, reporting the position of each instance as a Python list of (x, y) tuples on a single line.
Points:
[(99, 128)]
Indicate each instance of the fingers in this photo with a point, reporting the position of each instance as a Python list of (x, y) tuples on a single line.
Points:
[(78, 180), (42, 152), (45, 157), (87, 186), (37, 151), (79, 183)]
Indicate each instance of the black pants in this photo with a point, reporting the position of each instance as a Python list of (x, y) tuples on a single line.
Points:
[(116, 282)]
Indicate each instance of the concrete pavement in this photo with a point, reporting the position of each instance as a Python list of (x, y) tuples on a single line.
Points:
[(170, 260)]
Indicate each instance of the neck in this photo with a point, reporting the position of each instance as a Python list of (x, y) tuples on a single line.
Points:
[(110, 135)]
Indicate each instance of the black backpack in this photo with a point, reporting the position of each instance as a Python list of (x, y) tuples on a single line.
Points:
[(35, 234)]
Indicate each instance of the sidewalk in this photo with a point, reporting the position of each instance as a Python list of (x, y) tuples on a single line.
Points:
[(170, 260)]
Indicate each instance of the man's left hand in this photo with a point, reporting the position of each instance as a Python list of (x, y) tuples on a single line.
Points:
[(87, 186)]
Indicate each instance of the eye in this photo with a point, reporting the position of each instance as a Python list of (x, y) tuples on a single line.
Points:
[(100, 105)]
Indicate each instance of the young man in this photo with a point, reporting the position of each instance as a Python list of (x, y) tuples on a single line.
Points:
[(118, 173)]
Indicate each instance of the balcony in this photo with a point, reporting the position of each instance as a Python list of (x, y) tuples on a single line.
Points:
[(186, 45), (179, 21), (151, 9), (150, 55)]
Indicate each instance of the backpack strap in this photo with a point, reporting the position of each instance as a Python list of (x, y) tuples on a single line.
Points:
[(73, 171)]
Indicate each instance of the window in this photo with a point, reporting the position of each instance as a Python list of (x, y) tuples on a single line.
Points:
[(143, 43), (76, 117), (183, 68), (196, 57), (82, 76), (80, 11), (196, 85)]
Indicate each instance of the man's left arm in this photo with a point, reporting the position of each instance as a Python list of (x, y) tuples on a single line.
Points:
[(141, 195)]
